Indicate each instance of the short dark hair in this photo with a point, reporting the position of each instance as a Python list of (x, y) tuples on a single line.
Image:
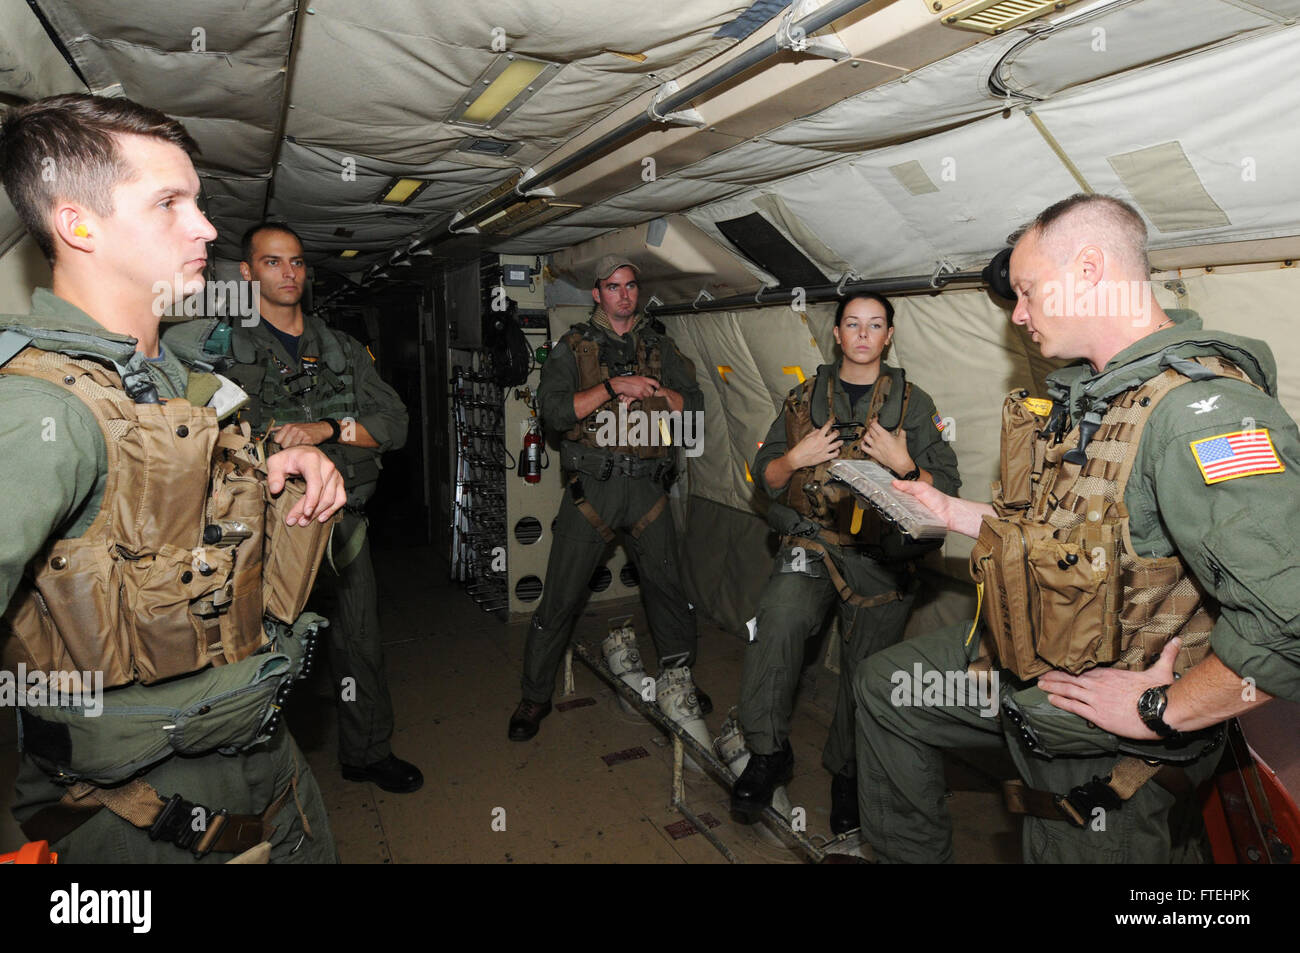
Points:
[(65, 147), (246, 243), (870, 296), (1107, 215)]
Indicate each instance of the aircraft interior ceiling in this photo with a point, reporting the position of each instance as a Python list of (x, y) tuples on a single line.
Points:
[(308, 111)]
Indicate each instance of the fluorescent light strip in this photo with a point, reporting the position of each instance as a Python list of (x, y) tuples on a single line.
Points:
[(402, 191), (512, 81)]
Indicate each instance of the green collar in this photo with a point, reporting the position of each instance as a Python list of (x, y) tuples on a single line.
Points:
[(1170, 347), (601, 320), (58, 325)]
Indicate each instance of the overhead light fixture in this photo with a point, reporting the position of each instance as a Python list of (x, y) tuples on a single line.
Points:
[(504, 187), (401, 191), (997, 16), (525, 215), (502, 88), (349, 253)]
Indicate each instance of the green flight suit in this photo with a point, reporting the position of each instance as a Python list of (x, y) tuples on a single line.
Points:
[(800, 592), (53, 467), (351, 388), (1241, 540), (620, 499)]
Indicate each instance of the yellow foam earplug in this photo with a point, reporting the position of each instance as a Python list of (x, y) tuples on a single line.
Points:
[(81, 231)]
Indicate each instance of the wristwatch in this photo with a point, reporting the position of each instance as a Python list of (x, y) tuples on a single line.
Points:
[(913, 474), (334, 426), (613, 394), (1151, 709)]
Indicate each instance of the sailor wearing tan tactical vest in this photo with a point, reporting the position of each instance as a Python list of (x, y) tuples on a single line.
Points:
[(1145, 527), (833, 553), (141, 545), (314, 386), (617, 481)]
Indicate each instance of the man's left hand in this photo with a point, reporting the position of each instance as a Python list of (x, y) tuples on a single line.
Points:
[(302, 435), (325, 491), (1108, 697)]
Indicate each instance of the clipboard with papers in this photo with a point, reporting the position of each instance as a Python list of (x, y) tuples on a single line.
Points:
[(873, 484)]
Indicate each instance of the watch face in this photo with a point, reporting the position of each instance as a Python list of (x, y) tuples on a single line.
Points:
[(1151, 709)]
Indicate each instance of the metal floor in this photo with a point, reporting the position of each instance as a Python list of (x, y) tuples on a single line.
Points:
[(594, 786)]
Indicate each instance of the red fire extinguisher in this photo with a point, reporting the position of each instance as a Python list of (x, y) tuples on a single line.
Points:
[(532, 469)]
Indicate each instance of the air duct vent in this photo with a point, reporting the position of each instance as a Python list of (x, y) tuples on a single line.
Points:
[(490, 147), (998, 16)]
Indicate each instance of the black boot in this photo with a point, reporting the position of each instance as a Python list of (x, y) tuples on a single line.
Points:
[(753, 789), (844, 803), (392, 774), (527, 719)]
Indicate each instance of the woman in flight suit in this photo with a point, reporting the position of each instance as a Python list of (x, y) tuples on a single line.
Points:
[(832, 552)]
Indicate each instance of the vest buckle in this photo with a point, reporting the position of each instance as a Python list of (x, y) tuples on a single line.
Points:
[(1077, 807), (174, 823)]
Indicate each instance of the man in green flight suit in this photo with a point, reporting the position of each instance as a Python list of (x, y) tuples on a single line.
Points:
[(824, 558), (107, 478), (1162, 471), (619, 357), (314, 386)]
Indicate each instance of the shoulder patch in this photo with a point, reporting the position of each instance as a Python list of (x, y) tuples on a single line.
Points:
[(1238, 454), (938, 422)]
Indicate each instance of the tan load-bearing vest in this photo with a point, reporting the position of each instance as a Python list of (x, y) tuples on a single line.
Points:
[(1060, 583), (139, 595), (592, 372), (811, 492)]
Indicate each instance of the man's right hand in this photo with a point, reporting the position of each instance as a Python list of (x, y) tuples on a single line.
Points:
[(960, 516), (817, 446), (324, 493)]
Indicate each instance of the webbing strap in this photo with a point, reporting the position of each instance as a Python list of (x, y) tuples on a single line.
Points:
[(588, 511), (1126, 779), (139, 804), (650, 516), (841, 586), (232, 440)]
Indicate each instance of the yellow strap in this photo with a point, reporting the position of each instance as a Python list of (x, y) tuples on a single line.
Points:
[(979, 601), (856, 526)]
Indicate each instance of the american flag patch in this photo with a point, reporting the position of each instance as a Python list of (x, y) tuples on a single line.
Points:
[(938, 422), (1233, 455)]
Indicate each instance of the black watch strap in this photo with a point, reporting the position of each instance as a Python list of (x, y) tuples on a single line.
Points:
[(913, 474), (334, 426), (613, 394)]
